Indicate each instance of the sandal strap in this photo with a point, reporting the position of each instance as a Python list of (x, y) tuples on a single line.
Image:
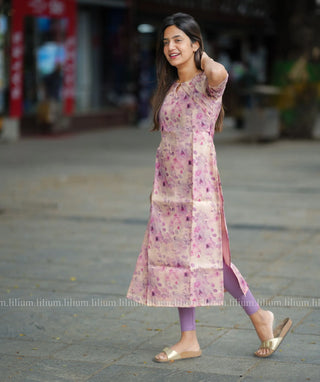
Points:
[(271, 344), (171, 354)]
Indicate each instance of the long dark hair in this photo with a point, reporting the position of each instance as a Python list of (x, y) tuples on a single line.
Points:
[(168, 74)]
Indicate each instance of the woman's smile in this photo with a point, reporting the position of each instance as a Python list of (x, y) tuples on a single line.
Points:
[(174, 55)]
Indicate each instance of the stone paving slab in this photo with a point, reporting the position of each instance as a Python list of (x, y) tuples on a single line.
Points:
[(269, 285), (284, 267), (91, 352), (270, 371), (135, 374), (299, 287), (11, 285), (291, 349), (310, 325), (18, 348), (206, 363), (235, 343), (14, 367), (58, 370)]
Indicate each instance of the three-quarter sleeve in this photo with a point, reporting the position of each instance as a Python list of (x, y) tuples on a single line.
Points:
[(216, 91)]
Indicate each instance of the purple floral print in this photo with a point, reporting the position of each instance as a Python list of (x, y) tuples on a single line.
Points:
[(186, 240)]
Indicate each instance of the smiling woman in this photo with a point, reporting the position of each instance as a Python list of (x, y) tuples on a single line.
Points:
[(179, 37), (185, 257)]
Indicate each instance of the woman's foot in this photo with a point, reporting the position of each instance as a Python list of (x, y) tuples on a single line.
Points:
[(263, 323), (188, 342)]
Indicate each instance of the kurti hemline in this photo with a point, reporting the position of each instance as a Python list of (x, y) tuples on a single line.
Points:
[(163, 304)]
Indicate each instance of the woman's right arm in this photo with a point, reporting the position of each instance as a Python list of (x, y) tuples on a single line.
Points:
[(214, 71)]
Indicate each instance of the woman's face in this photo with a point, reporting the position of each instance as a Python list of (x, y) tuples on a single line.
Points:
[(177, 47)]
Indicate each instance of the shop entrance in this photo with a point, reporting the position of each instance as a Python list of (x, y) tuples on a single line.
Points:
[(42, 48)]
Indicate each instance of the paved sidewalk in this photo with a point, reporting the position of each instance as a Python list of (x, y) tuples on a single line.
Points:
[(72, 217)]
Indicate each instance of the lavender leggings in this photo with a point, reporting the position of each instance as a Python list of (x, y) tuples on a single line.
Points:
[(231, 284)]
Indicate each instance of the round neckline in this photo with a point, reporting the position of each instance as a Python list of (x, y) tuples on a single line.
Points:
[(186, 82)]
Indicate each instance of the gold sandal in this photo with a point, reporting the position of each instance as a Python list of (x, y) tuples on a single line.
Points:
[(273, 343), (172, 355)]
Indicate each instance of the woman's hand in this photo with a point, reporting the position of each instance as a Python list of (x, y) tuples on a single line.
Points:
[(204, 58), (214, 71)]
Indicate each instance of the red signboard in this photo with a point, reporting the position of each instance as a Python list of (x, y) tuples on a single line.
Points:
[(43, 8)]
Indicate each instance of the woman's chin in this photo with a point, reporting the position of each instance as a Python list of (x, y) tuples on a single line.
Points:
[(174, 63)]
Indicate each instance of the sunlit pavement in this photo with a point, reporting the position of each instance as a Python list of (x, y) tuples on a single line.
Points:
[(73, 211)]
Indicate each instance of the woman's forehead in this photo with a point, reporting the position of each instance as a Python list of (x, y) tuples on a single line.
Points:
[(172, 31)]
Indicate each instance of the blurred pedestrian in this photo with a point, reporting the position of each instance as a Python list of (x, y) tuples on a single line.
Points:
[(185, 257), (49, 109)]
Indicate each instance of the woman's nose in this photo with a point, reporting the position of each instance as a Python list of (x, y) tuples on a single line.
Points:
[(171, 45)]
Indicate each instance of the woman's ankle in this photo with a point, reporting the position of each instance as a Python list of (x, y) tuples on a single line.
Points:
[(261, 316), (190, 338), (262, 321)]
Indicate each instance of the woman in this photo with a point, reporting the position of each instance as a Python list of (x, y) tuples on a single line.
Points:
[(185, 257)]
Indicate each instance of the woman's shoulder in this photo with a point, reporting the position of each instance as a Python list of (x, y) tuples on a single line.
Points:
[(202, 86)]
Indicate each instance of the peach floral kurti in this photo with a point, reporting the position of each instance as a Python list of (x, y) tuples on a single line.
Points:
[(186, 240)]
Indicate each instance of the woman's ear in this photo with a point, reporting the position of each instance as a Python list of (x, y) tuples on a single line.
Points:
[(195, 46)]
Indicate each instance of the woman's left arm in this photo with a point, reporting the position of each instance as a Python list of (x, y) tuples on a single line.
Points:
[(214, 71)]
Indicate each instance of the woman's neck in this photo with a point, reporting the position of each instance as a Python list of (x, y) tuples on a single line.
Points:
[(186, 73)]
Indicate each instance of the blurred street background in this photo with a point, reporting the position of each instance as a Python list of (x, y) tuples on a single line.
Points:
[(70, 65), (76, 170)]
